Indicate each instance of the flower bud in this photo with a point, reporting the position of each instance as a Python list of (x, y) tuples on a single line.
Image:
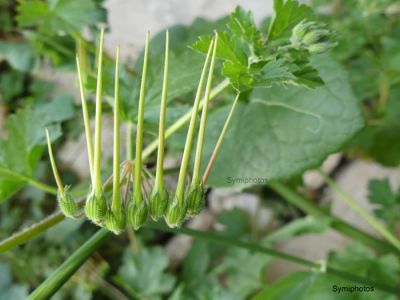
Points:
[(158, 204), (298, 32), (320, 47), (67, 204), (176, 214), (137, 214), (95, 208), (195, 200), (115, 221), (316, 36)]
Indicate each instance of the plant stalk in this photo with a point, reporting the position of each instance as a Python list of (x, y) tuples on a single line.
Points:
[(159, 181), (220, 140), (139, 129), (116, 198), (180, 189), (99, 92), (86, 119), (200, 140), (57, 177)]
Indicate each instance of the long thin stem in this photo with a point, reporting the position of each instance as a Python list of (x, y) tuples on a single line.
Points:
[(223, 239), (139, 128), (57, 177), (97, 150), (361, 211), (180, 189), (339, 225), (159, 181), (62, 274), (129, 141), (85, 113), (203, 121), (116, 198), (220, 140)]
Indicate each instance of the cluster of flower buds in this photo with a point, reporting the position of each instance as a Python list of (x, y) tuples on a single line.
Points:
[(139, 202), (311, 36)]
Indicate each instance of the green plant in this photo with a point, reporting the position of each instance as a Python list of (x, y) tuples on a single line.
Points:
[(272, 104)]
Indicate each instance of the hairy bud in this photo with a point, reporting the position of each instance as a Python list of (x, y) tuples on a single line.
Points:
[(137, 214), (195, 200), (95, 208), (115, 221), (67, 204), (176, 214), (311, 36), (158, 204)]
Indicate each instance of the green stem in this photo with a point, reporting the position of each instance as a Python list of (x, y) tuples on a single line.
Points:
[(180, 189), (30, 232), (97, 150), (139, 129), (116, 198), (222, 239), (361, 211), (129, 141), (57, 177), (220, 140), (62, 274), (86, 119), (203, 121), (339, 225), (159, 181), (33, 182)]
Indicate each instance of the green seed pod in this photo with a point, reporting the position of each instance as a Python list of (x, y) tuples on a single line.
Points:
[(67, 204), (137, 214), (158, 204), (195, 200), (95, 208), (176, 214), (115, 222)]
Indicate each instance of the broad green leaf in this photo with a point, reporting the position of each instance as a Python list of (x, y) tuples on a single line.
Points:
[(11, 85), (20, 152), (144, 273), (196, 262), (55, 16), (282, 132), (20, 56)]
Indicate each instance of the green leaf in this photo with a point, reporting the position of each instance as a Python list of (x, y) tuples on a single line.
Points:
[(7, 288), (11, 85), (288, 13), (20, 56), (21, 151), (196, 262), (282, 132), (55, 16), (144, 273)]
